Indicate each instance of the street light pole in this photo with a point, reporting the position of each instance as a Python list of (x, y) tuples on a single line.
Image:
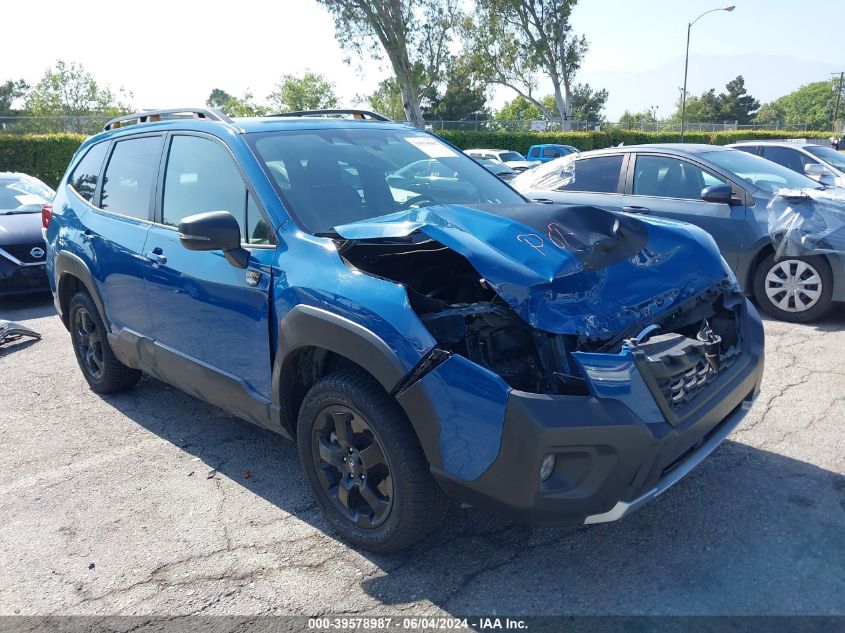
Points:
[(686, 65)]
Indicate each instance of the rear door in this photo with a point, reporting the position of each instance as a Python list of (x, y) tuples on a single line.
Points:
[(209, 318), (115, 226), (670, 187)]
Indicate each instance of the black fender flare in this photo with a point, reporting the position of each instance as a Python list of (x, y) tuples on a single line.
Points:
[(307, 326), (66, 263)]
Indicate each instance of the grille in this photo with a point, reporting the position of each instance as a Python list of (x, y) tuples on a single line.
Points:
[(681, 387), (23, 252)]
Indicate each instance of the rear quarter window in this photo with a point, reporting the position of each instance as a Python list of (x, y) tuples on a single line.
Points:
[(86, 174)]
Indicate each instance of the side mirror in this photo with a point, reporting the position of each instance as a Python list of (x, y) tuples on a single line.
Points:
[(814, 170), (717, 193), (214, 231)]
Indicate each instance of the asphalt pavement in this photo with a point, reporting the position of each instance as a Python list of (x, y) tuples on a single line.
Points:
[(152, 502)]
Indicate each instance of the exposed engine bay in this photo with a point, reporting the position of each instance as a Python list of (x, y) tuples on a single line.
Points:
[(467, 317)]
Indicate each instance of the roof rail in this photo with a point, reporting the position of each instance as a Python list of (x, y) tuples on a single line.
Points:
[(150, 116), (364, 115)]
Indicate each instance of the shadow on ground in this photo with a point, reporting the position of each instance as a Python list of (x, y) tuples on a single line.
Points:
[(748, 531)]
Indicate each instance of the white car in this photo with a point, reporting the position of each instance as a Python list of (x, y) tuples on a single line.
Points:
[(820, 162), (514, 160)]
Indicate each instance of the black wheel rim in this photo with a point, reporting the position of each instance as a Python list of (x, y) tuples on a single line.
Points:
[(89, 343), (351, 466)]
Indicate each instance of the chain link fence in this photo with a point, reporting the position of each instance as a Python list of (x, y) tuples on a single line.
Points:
[(20, 124)]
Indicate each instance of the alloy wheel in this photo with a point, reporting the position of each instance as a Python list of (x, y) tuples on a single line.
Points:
[(89, 342), (793, 285), (351, 466)]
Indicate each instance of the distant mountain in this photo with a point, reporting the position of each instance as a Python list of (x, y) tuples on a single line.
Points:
[(766, 77)]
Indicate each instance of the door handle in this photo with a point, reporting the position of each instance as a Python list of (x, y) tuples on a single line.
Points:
[(156, 257), (643, 210)]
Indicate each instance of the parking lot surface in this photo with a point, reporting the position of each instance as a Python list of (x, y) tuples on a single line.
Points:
[(152, 502)]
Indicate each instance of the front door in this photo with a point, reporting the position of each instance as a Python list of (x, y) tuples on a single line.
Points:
[(210, 318)]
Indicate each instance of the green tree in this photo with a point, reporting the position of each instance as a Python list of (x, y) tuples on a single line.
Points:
[(387, 100), (630, 120), (736, 104), (309, 92), (588, 104), (512, 41), (69, 90), (414, 36), (811, 104), (521, 109), (11, 92), (235, 106), (463, 98)]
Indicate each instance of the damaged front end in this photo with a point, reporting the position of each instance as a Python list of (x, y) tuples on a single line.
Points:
[(592, 317)]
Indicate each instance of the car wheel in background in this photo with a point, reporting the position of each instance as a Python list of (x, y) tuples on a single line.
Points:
[(795, 289), (102, 370), (364, 465)]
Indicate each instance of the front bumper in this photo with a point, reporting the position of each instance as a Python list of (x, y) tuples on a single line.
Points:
[(22, 279), (608, 460)]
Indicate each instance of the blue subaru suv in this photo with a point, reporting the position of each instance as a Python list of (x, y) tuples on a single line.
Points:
[(419, 340)]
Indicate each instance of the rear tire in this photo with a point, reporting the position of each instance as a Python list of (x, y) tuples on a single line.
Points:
[(794, 289), (364, 465), (102, 370)]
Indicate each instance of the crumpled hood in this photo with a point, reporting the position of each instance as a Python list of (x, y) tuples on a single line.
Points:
[(567, 269)]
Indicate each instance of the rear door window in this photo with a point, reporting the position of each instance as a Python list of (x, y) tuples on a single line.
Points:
[(551, 152), (597, 175), (86, 175), (130, 177)]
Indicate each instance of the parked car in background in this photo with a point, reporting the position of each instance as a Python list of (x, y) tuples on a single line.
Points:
[(547, 152), (499, 169), (514, 160), (722, 190), (551, 363), (822, 163), (22, 247)]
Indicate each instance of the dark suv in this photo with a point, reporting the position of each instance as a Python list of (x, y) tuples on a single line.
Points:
[(556, 364)]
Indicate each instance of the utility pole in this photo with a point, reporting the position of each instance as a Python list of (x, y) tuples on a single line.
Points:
[(836, 107)]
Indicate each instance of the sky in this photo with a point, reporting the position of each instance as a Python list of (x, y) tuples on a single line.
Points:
[(173, 53)]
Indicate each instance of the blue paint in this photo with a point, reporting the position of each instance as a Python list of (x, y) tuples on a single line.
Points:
[(615, 376), (548, 286), (470, 404)]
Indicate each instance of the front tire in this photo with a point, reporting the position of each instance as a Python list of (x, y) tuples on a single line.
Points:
[(364, 465), (102, 370), (794, 289)]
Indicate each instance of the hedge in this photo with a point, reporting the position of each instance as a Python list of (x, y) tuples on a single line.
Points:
[(46, 156), (521, 141)]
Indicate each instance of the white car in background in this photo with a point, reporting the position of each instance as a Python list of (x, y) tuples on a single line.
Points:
[(822, 163), (514, 160)]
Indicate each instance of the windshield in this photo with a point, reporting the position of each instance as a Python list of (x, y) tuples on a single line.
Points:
[(332, 177), (828, 155), (506, 156), (758, 171), (23, 195)]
